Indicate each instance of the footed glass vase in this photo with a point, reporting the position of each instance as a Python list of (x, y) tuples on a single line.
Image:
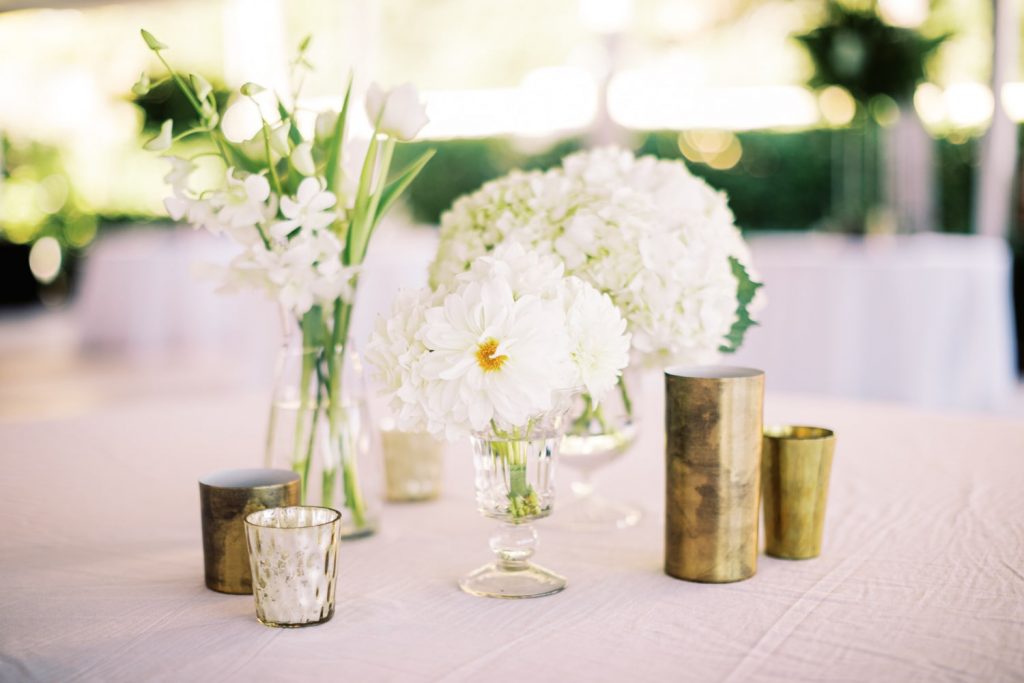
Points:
[(597, 435), (515, 470), (321, 427)]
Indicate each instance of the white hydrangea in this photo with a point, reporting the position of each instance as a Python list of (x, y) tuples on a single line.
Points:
[(496, 348), (648, 233)]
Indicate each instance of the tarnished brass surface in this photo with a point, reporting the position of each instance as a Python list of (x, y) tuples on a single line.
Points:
[(797, 463), (225, 499), (713, 425)]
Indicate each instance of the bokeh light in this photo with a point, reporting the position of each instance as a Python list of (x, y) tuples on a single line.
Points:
[(44, 259)]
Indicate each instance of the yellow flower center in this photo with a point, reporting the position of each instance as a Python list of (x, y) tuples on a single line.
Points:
[(485, 357)]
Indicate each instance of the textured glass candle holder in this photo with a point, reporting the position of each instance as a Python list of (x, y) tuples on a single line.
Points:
[(293, 552)]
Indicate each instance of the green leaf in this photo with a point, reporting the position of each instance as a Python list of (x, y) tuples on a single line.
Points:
[(394, 189), (337, 140), (304, 44), (293, 132), (745, 292), (151, 41)]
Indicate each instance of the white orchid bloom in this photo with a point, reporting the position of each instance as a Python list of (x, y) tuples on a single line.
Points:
[(163, 139), (177, 177), (302, 159), (401, 113), (245, 201), (309, 209)]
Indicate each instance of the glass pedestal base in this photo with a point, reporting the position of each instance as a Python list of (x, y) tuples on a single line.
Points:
[(593, 513), (510, 581)]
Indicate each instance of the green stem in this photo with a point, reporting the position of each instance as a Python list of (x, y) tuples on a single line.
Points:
[(511, 450), (354, 500), (270, 159), (301, 459), (187, 91), (627, 403)]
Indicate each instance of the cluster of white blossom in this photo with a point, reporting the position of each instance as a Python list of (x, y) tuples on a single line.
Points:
[(288, 247), (494, 348), (292, 243), (655, 238)]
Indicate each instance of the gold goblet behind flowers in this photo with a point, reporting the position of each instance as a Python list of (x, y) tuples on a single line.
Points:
[(497, 358)]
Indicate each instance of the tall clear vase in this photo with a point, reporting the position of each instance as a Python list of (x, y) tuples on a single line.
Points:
[(597, 435), (515, 472), (326, 433)]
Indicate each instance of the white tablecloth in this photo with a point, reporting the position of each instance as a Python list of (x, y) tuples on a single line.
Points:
[(922, 576), (925, 319)]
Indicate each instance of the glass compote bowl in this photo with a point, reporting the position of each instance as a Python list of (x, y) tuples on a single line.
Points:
[(515, 470), (597, 435)]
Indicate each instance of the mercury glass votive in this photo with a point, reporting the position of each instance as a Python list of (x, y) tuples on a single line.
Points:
[(413, 465), (293, 552)]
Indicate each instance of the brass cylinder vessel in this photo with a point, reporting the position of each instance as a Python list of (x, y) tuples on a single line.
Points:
[(713, 425), (225, 498), (797, 465)]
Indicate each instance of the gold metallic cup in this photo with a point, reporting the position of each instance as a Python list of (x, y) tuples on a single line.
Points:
[(225, 498), (713, 424), (797, 463)]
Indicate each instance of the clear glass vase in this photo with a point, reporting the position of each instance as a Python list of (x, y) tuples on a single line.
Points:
[(597, 435), (515, 471), (321, 427)]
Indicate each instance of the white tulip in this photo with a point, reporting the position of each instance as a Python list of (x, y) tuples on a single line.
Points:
[(401, 113), (325, 122)]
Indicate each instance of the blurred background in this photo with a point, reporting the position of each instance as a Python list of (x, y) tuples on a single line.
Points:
[(870, 151)]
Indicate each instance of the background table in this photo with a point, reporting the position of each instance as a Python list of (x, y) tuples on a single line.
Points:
[(922, 577), (925, 319)]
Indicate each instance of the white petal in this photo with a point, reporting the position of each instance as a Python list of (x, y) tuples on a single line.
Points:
[(302, 159), (257, 188), (163, 139)]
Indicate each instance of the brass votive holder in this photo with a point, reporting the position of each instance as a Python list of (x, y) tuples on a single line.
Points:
[(225, 498), (713, 425), (797, 462), (413, 465)]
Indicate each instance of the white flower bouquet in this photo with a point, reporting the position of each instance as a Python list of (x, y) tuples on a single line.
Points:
[(496, 349), (302, 203), (657, 239)]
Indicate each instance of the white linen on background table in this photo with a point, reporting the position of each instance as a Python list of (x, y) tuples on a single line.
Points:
[(922, 576), (925, 319)]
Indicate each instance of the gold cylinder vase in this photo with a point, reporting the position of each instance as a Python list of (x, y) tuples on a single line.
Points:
[(713, 425), (225, 498), (795, 475)]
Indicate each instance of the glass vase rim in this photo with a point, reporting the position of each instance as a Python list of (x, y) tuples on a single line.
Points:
[(249, 518)]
